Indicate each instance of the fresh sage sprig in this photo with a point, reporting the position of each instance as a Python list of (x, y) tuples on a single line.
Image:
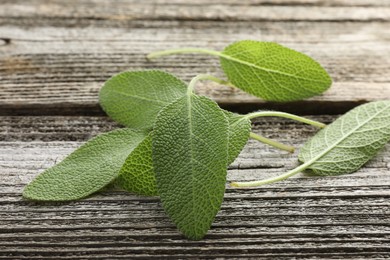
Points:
[(266, 70), (343, 146), (137, 174), (178, 145)]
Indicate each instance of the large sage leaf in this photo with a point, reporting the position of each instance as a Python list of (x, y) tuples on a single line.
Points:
[(137, 174), (190, 144), (273, 72), (86, 170), (350, 141), (134, 98)]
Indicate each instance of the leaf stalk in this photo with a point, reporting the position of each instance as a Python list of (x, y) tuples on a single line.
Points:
[(272, 143), (158, 54), (191, 85), (286, 115), (288, 174)]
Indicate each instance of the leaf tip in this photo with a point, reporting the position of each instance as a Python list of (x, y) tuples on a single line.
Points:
[(194, 237), (31, 193), (25, 193)]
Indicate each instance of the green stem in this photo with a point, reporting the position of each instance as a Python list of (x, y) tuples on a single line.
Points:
[(158, 54), (273, 143), (285, 115), (194, 80), (288, 174)]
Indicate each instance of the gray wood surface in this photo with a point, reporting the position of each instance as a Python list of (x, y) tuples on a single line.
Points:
[(54, 57), (302, 217)]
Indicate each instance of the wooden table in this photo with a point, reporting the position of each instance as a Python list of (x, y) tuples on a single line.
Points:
[(54, 57)]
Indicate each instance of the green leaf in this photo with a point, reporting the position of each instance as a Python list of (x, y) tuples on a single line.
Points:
[(190, 144), (350, 141), (134, 98), (137, 174), (239, 130), (273, 72), (86, 170), (266, 70)]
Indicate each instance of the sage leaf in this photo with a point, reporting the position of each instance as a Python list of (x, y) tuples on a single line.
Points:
[(137, 174), (350, 141), (266, 70), (134, 98), (273, 72), (87, 170), (238, 135), (190, 144)]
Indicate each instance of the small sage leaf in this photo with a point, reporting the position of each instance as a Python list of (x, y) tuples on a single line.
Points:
[(87, 170), (273, 72), (190, 144), (134, 98), (137, 174), (350, 141)]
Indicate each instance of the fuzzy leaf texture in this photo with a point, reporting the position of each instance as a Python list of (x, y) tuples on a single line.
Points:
[(87, 170), (137, 174), (134, 98), (350, 141), (190, 145), (239, 129), (273, 72)]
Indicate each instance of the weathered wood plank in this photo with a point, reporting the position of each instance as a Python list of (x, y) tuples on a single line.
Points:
[(220, 2), (18, 12), (29, 132), (302, 217), (47, 70), (275, 2), (81, 128), (55, 55)]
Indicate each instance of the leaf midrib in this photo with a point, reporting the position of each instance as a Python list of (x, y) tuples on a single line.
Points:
[(189, 105), (222, 55)]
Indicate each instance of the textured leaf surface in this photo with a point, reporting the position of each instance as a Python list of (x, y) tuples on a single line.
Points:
[(134, 98), (239, 129), (86, 170), (273, 72), (190, 144), (350, 141), (137, 174)]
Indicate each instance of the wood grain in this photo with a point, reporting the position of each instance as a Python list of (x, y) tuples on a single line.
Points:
[(219, 11), (46, 70), (55, 56), (302, 217)]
